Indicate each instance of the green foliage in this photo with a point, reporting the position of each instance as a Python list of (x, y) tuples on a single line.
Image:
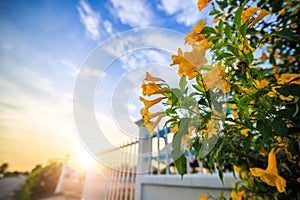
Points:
[(41, 182), (244, 106)]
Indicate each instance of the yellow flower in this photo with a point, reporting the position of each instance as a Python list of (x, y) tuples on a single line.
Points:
[(263, 152), (151, 126), (260, 16), (214, 79), (195, 36), (152, 88), (245, 48), (198, 28), (149, 103), (196, 57), (284, 98), (287, 79), (174, 129), (282, 11), (151, 78), (215, 20), (148, 116), (263, 57), (293, 25), (260, 84), (235, 115), (190, 62), (205, 44), (246, 14), (202, 4), (237, 169), (244, 132), (233, 106), (270, 176), (203, 197), (238, 195)]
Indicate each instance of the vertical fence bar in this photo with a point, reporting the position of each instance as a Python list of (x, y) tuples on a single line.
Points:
[(123, 180), (127, 168), (145, 146), (115, 180), (158, 152), (110, 178), (167, 152), (134, 167), (150, 155), (119, 171)]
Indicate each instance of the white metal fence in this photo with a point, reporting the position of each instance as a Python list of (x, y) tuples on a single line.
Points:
[(143, 169)]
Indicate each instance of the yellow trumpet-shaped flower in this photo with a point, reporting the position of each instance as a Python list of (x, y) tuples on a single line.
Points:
[(149, 103), (151, 126), (151, 78), (238, 195), (289, 79), (189, 62), (196, 57), (204, 197), (246, 14), (260, 16), (198, 28), (270, 176), (260, 84), (148, 116), (205, 44), (195, 36), (152, 88), (202, 4), (214, 79)]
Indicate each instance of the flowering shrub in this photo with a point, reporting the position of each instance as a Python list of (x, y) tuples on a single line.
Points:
[(243, 110)]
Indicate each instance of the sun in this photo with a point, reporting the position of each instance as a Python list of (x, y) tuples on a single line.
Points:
[(85, 159)]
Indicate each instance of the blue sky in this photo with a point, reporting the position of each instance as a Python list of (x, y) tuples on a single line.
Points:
[(44, 43)]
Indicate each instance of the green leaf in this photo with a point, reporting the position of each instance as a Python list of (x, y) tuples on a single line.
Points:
[(228, 32), (222, 4), (213, 38), (198, 88), (213, 12), (243, 29), (208, 30), (280, 127), (249, 57), (260, 93), (220, 27), (264, 128), (292, 89), (237, 17), (177, 151), (180, 164), (287, 34), (288, 111), (224, 55), (182, 83)]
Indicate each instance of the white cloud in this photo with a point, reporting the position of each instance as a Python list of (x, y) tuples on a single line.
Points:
[(108, 26), (90, 19), (71, 66), (186, 12), (135, 13)]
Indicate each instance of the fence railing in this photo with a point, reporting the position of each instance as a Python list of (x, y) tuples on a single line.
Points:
[(137, 167)]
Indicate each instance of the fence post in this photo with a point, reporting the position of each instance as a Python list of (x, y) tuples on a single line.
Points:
[(144, 157)]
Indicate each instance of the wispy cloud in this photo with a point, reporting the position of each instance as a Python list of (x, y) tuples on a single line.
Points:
[(135, 13), (90, 19), (108, 26), (186, 12)]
